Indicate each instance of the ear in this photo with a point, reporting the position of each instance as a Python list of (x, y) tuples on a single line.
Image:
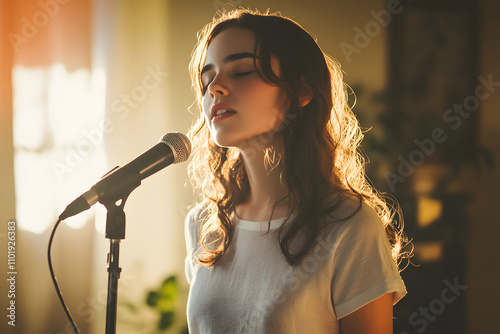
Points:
[(306, 94)]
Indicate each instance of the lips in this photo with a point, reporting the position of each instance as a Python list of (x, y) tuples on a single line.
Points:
[(218, 108)]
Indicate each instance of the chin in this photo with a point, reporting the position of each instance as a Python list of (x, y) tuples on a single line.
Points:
[(243, 140), (226, 140)]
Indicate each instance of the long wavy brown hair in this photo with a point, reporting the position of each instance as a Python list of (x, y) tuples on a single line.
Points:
[(320, 141)]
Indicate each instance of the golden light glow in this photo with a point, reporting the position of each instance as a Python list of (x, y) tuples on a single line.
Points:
[(429, 210), (59, 151), (429, 251)]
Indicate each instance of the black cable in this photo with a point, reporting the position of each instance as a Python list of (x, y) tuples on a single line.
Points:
[(58, 291)]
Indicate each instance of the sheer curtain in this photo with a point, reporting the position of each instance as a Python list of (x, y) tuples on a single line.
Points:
[(90, 89)]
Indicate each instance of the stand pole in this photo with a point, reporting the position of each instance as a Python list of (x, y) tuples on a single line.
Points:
[(113, 275), (115, 232)]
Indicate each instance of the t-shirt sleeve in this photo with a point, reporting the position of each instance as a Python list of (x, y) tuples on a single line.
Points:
[(363, 267), (191, 237)]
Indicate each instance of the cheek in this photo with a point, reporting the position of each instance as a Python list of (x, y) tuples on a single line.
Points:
[(258, 94), (266, 100), (205, 104), (275, 108)]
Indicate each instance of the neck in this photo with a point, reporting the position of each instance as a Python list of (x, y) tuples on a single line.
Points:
[(265, 186)]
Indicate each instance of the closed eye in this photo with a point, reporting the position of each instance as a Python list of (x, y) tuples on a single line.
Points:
[(204, 88), (242, 74)]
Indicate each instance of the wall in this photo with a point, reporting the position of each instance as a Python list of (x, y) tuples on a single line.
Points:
[(483, 290), (164, 33)]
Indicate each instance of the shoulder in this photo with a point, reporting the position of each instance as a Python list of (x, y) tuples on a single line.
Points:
[(353, 219), (194, 219), (351, 209), (197, 214)]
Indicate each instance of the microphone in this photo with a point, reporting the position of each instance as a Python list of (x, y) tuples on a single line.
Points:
[(173, 148)]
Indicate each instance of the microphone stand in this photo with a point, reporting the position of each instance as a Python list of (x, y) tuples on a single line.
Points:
[(115, 232)]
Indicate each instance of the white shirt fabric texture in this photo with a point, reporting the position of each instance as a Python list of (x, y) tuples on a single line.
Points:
[(252, 288)]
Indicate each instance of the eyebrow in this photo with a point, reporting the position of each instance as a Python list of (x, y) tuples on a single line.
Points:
[(230, 58)]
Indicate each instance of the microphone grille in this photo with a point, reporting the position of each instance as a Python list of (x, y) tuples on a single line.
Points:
[(180, 145)]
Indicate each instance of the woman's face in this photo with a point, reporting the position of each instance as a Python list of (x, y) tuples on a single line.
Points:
[(232, 84)]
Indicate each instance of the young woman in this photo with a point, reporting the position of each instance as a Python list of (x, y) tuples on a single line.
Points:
[(289, 236)]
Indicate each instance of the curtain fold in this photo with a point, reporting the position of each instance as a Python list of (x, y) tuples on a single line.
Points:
[(87, 86), (50, 90)]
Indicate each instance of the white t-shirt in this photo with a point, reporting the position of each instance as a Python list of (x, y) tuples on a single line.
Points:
[(252, 288)]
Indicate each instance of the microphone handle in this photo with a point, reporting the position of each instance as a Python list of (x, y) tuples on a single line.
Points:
[(126, 178)]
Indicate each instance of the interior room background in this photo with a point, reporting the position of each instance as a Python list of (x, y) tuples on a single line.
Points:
[(89, 85)]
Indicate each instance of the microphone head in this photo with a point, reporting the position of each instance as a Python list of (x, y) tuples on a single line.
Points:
[(180, 145)]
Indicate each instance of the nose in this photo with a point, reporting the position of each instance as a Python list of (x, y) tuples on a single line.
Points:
[(218, 87)]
